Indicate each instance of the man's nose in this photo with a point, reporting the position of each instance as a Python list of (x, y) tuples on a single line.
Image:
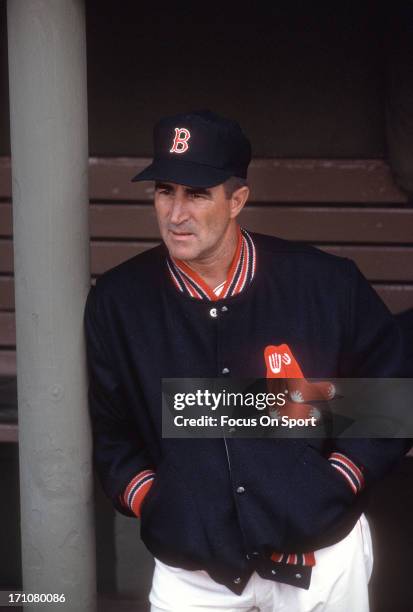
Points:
[(179, 211)]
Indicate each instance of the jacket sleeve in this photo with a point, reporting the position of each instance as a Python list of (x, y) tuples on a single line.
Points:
[(123, 466), (374, 349)]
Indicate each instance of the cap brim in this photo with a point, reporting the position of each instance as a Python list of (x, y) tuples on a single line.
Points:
[(183, 173)]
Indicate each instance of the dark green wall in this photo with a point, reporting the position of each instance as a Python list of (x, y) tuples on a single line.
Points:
[(304, 79)]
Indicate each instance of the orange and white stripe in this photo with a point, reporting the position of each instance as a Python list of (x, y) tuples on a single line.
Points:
[(306, 559), (240, 275), (349, 470), (137, 489)]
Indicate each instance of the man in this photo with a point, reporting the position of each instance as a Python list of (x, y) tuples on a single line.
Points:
[(234, 523)]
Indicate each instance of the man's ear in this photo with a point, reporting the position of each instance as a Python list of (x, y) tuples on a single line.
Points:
[(238, 201)]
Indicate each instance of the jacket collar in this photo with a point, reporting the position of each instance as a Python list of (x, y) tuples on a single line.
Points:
[(240, 274)]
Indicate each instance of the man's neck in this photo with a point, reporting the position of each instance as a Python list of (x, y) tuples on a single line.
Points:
[(214, 268)]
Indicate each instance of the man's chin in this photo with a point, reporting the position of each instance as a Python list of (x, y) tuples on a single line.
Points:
[(186, 252)]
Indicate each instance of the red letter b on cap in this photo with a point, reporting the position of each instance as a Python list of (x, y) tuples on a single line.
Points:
[(180, 144)]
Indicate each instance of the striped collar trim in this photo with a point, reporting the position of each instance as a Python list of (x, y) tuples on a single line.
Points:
[(240, 275), (306, 559)]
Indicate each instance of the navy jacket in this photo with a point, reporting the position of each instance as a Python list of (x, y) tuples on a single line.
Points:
[(139, 329)]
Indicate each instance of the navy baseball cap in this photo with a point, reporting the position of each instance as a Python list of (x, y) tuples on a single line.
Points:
[(197, 149)]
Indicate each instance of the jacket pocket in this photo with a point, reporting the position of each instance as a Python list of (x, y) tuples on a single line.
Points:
[(171, 526), (321, 507)]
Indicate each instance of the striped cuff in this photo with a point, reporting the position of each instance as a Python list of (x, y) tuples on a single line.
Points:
[(137, 489), (306, 559), (349, 470)]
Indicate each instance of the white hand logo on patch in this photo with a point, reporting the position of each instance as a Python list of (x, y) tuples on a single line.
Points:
[(315, 413), (296, 396), (276, 360)]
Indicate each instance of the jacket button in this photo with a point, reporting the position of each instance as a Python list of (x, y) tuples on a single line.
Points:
[(225, 370), (213, 313), (237, 580), (273, 572), (224, 309), (242, 490)]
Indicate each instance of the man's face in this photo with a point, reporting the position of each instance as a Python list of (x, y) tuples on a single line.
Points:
[(193, 221)]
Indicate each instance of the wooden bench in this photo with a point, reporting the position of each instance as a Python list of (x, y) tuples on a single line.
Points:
[(346, 207)]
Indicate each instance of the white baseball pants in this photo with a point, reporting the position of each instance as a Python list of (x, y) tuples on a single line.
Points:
[(339, 583)]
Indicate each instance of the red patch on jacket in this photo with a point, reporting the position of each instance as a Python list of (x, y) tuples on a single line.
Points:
[(281, 362)]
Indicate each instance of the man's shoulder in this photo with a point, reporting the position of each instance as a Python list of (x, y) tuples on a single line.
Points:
[(277, 250), (141, 270)]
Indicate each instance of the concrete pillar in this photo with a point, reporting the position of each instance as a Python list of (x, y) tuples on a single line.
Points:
[(48, 109)]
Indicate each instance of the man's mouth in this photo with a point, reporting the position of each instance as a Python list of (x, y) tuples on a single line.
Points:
[(180, 235)]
